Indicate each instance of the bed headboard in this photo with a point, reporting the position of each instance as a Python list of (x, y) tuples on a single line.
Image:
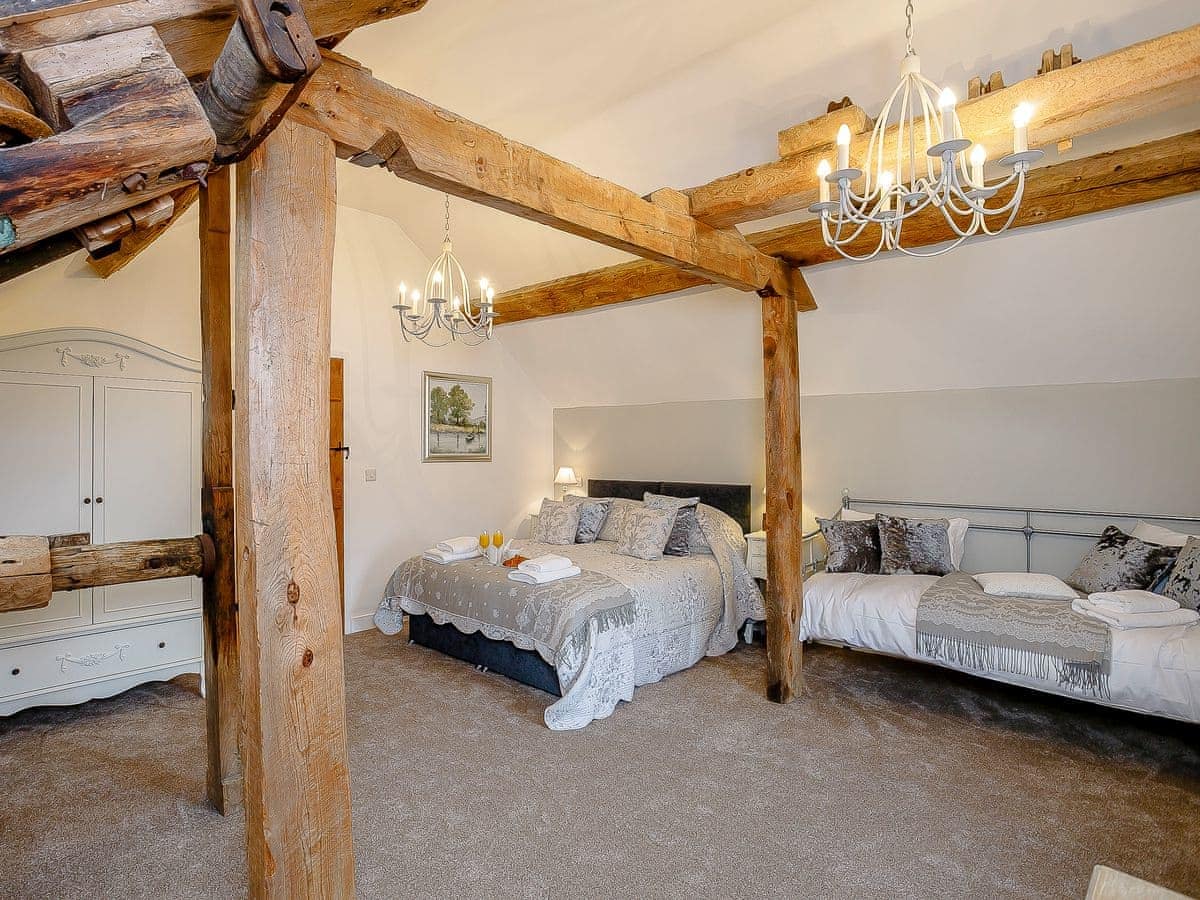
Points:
[(731, 499)]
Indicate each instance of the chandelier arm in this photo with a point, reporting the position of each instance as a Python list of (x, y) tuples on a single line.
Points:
[(838, 247), (1007, 222)]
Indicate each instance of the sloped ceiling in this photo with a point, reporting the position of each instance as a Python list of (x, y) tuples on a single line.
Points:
[(676, 92)]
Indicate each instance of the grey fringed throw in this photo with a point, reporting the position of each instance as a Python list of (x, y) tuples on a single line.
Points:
[(958, 623)]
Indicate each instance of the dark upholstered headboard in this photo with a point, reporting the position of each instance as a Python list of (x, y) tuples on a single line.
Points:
[(731, 499)]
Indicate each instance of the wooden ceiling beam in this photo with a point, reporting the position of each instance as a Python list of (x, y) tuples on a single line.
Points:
[(1106, 181), (422, 143), (192, 30), (1134, 82)]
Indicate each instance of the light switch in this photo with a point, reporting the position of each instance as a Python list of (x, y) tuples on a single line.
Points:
[(370, 474)]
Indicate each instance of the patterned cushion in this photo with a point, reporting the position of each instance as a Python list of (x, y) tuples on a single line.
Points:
[(685, 523), (914, 546), (644, 532), (592, 513), (1183, 584), (557, 522), (616, 515), (1120, 562), (697, 542), (853, 545)]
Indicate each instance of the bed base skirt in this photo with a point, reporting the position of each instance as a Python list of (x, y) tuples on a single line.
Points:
[(525, 666)]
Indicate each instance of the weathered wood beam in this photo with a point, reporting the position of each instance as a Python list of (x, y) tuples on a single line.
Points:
[(821, 132), (1105, 181), (223, 691), (99, 565), (133, 127), (24, 572), (430, 146), (133, 244), (194, 31), (32, 258), (1131, 83), (785, 546), (297, 780)]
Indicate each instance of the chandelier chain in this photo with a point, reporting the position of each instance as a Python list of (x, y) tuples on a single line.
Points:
[(908, 29), (447, 227)]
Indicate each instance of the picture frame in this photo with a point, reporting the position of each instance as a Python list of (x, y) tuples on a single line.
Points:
[(457, 417)]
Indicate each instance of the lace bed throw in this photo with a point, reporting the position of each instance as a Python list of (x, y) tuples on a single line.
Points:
[(959, 623)]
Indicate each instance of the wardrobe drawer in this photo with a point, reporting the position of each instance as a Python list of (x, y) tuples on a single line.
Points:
[(88, 657)]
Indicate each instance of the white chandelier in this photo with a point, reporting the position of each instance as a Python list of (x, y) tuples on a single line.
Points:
[(922, 164), (444, 312)]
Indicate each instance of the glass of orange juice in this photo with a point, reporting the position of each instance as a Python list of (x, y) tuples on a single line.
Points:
[(498, 538), (484, 540)]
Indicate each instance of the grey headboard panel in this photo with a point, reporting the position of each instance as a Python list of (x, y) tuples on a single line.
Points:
[(731, 499)]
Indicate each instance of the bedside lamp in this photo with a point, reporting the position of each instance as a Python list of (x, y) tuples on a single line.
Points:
[(565, 478)]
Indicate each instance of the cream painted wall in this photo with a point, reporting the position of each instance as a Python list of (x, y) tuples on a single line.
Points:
[(412, 504)]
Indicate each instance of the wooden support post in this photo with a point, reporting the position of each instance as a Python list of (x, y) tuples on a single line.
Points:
[(785, 526), (297, 783), (222, 690)]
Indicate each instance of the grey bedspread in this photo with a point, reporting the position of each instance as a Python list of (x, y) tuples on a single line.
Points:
[(959, 623)]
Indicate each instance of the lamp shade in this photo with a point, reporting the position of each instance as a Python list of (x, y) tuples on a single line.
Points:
[(566, 475)]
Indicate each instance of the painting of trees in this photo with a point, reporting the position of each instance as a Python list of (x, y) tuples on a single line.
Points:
[(458, 417)]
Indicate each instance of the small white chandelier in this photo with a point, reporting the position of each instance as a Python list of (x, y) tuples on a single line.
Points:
[(444, 312), (930, 150)]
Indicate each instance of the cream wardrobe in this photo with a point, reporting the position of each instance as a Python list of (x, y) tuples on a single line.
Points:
[(99, 433)]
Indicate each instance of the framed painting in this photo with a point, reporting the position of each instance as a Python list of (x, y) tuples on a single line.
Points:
[(458, 418)]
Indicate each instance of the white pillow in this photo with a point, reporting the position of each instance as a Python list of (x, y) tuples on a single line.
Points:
[(1025, 584), (1156, 534), (853, 515), (958, 541)]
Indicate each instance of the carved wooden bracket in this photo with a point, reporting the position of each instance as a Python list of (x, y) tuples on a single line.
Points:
[(977, 87)]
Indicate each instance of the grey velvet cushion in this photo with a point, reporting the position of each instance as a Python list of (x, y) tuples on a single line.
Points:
[(592, 513), (611, 531), (853, 545), (685, 522), (557, 522), (914, 546), (1183, 582), (1120, 562), (644, 532)]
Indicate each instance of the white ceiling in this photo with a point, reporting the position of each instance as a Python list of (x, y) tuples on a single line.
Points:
[(676, 92)]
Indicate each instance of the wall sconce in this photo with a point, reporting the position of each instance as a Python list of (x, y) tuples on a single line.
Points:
[(565, 478)]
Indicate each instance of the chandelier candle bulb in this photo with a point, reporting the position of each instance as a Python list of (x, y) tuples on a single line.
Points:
[(885, 190), (1021, 117), (843, 148), (822, 185), (946, 103), (978, 158)]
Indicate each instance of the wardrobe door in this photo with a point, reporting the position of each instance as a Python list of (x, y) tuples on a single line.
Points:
[(147, 476), (46, 480)]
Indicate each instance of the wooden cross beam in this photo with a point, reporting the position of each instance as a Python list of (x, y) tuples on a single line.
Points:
[(1136, 81), (422, 143), (1105, 181)]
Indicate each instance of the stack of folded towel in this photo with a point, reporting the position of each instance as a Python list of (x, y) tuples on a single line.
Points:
[(453, 550), (1134, 609), (544, 569)]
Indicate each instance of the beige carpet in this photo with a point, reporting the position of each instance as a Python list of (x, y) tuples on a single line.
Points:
[(889, 779)]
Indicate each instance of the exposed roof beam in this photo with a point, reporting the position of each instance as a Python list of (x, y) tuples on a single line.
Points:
[(192, 30), (1106, 181), (1155, 75), (425, 144)]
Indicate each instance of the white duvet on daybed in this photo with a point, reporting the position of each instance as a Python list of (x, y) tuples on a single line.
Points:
[(1154, 670)]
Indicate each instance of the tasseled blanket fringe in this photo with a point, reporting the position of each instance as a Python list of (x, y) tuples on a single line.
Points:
[(1082, 676)]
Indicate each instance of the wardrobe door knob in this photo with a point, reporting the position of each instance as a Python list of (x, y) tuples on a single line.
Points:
[(16, 671), (87, 499), (99, 499), (162, 644)]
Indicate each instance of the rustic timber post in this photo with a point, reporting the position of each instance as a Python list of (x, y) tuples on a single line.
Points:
[(222, 694), (785, 526), (297, 783)]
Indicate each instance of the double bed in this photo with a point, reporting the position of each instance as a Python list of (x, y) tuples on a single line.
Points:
[(1150, 670), (592, 639)]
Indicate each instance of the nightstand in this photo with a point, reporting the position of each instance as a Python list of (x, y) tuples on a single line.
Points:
[(756, 554)]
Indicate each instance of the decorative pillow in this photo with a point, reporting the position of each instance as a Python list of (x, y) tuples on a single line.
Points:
[(1183, 584), (914, 546), (684, 510), (644, 532), (853, 545), (958, 540), (1156, 534), (1026, 584), (1120, 562), (611, 531), (697, 542), (557, 522), (592, 513)]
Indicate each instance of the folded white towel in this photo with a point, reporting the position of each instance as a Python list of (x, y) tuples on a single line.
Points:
[(547, 562), (434, 554), (459, 544), (543, 577), (1135, 620), (1132, 601)]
